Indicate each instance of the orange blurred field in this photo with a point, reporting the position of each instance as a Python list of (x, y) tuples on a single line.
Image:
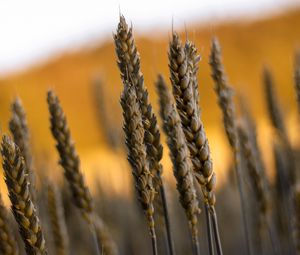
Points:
[(247, 46)]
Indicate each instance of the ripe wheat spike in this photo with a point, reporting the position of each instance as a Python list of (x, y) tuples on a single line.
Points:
[(21, 204), (19, 129), (137, 157)]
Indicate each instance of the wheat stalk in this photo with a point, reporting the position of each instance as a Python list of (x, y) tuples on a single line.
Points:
[(70, 162), (137, 157), (297, 219), (129, 65), (21, 204), (104, 237), (8, 245), (224, 93), (57, 220), (19, 129)]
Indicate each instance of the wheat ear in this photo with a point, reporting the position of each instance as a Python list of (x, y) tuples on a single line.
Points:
[(110, 132), (207, 180), (297, 78), (274, 110), (165, 100), (19, 129), (224, 93), (70, 162), (129, 65), (8, 245), (21, 204), (182, 168), (183, 64), (184, 87), (57, 220), (137, 157)]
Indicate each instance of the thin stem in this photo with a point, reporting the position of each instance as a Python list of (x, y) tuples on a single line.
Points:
[(167, 220), (242, 201), (154, 241), (216, 230), (95, 239), (272, 236), (195, 242), (209, 232)]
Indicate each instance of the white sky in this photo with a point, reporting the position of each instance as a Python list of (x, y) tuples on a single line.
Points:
[(32, 30)]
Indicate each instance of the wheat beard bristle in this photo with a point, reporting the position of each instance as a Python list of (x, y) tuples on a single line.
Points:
[(22, 207)]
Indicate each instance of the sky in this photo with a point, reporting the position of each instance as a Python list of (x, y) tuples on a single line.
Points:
[(33, 30)]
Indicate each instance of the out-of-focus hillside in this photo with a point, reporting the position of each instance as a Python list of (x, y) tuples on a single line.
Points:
[(246, 47)]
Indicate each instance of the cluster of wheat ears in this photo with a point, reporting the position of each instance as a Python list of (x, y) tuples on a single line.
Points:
[(191, 158)]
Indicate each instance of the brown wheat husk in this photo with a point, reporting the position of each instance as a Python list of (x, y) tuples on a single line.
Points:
[(182, 168), (183, 69), (19, 129), (21, 204), (137, 156), (70, 162), (129, 65)]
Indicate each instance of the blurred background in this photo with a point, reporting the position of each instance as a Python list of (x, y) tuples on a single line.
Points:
[(68, 46)]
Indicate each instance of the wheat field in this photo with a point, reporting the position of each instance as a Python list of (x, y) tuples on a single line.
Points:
[(170, 201)]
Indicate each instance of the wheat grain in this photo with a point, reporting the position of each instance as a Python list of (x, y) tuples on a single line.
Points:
[(23, 209)]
